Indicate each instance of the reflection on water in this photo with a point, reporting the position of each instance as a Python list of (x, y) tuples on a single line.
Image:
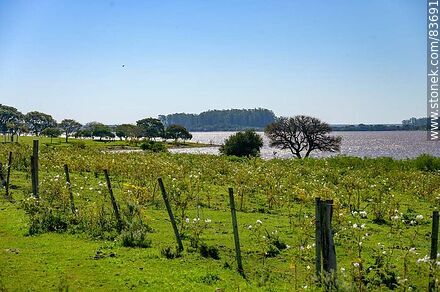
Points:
[(396, 144)]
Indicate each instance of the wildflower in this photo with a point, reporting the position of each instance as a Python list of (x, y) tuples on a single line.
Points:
[(250, 227), (308, 267), (419, 217), (412, 249), (363, 214), (259, 221), (287, 246), (355, 226), (342, 270), (395, 217), (354, 213), (207, 220), (362, 226), (356, 265), (187, 220)]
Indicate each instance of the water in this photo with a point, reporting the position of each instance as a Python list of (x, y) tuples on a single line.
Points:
[(395, 144)]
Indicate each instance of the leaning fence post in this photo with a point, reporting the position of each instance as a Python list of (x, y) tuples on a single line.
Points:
[(69, 187), (35, 166), (114, 204), (8, 173), (2, 178), (434, 246), (318, 232), (235, 229), (170, 214)]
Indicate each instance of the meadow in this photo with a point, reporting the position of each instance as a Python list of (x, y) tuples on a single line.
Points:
[(381, 221)]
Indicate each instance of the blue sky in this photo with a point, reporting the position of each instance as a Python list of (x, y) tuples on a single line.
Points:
[(342, 61)]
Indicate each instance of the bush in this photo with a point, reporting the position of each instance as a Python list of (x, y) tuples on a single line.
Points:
[(247, 143), (170, 252), (209, 251), (153, 146), (427, 162)]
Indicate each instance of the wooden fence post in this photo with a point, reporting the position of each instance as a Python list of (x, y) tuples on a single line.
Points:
[(318, 234), (235, 230), (170, 214), (34, 184), (2, 178), (114, 204), (434, 246), (35, 161), (328, 246), (69, 187), (8, 173)]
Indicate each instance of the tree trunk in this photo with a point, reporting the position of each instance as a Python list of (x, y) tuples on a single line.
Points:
[(67, 137)]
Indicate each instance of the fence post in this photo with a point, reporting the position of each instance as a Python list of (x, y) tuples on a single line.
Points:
[(235, 230), (34, 185), (318, 234), (2, 178), (35, 151), (328, 246), (434, 246), (170, 214), (114, 204), (69, 187), (8, 174)]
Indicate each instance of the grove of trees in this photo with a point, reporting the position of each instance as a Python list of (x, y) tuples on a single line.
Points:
[(13, 123), (222, 120)]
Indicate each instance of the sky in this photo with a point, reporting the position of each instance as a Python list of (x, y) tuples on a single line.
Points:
[(121, 61)]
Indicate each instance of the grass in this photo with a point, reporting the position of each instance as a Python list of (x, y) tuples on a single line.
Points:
[(279, 193), (111, 144)]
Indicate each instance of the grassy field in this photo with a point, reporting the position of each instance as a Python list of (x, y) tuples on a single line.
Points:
[(107, 144), (381, 221)]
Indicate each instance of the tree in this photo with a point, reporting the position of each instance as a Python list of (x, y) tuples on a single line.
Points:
[(51, 132), (70, 126), (151, 128), (302, 133), (100, 130), (127, 131), (37, 122), (247, 143), (11, 120), (177, 132)]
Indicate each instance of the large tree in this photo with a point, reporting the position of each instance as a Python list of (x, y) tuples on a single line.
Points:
[(99, 130), (11, 120), (37, 122), (151, 128), (51, 132), (302, 134), (176, 132), (127, 131), (70, 126)]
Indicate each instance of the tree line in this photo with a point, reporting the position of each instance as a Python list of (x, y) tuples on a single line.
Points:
[(13, 123), (222, 120)]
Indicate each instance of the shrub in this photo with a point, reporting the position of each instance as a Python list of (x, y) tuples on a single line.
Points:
[(170, 252), (247, 143), (153, 146), (426, 162), (207, 251)]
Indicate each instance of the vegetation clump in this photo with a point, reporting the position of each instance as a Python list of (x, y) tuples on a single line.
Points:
[(243, 144)]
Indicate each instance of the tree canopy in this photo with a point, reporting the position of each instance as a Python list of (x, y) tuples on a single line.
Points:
[(302, 134), (70, 126), (151, 128), (247, 143), (37, 122), (176, 132)]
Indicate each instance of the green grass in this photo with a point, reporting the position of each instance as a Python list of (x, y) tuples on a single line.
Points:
[(280, 193), (111, 144)]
